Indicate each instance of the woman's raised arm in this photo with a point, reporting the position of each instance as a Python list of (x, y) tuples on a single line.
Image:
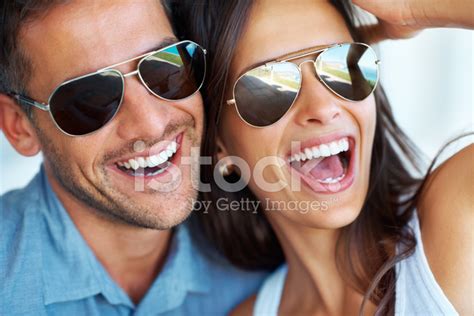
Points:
[(399, 19)]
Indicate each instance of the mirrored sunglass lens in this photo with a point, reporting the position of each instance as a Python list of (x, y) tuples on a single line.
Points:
[(85, 105), (264, 94), (176, 72), (350, 70)]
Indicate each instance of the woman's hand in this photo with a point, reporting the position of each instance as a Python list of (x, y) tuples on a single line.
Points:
[(398, 19)]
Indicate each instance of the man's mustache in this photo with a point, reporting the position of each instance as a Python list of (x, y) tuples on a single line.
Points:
[(132, 147)]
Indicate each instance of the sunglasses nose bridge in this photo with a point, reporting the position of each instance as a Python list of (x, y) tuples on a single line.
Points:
[(132, 73), (300, 65), (140, 79), (312, 70)]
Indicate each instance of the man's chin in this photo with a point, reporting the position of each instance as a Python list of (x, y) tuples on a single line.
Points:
[(124, 205), (146, 214)]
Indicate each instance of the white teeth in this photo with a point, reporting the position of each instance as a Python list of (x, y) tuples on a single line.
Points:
[(316, 152), (323, 150), (345, 146), (334, 148), (156, 172), (154, 161), (141, 162), (134, 164), (163, 155), (161, 158), (341, 143), (150, 161), (174, 146), (332, 180)]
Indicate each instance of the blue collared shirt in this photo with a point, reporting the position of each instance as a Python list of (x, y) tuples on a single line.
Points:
[(46, 268)]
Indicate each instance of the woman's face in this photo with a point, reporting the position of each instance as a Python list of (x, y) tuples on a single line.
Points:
[(332, 190)]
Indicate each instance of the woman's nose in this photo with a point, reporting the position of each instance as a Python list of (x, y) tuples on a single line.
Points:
[(315, 103)]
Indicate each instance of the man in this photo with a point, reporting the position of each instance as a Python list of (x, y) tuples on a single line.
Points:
[(92, 233)]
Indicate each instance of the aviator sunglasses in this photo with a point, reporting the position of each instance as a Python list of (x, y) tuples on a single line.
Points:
[(85, 104), (264, 94)]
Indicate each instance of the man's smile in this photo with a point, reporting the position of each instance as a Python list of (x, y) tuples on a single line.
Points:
[(155, 162)]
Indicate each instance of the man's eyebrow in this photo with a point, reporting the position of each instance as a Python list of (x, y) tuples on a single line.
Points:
[(167, 41)]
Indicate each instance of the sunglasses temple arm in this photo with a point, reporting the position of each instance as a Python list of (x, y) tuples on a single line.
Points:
[(24, 100)]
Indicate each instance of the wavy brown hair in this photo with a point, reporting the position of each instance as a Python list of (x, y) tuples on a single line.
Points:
[(376, 240)]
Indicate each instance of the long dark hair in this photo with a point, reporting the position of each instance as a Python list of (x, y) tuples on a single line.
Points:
[(247, 239)]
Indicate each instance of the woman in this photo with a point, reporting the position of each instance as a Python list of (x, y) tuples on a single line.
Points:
[(379, 239)]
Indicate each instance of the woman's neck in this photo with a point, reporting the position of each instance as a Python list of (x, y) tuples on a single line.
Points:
[(314, 284)]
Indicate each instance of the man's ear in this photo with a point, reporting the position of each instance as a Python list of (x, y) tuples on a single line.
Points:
[(17, 128)]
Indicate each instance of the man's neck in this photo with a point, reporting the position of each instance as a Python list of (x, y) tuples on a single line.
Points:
[(133, 256)]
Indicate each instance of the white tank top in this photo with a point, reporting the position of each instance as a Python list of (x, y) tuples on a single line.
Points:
[(416, 293)]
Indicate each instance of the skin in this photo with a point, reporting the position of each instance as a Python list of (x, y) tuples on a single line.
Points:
[(128, 230), (398, 19), (314, 285)]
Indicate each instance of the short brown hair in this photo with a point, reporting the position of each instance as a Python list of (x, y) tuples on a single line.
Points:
[(15, 68)]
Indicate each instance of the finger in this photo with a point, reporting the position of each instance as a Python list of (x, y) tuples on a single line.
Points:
[(392, 31), (373, 5), (381, 31), (388, 10)]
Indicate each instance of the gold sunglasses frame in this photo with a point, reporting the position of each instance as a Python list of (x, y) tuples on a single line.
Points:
[(46, 106), (297, 55)]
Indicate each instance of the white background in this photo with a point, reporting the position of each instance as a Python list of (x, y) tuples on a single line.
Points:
[(428, 79)]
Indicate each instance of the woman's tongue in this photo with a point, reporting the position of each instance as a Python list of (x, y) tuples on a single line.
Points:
[(323, 168)]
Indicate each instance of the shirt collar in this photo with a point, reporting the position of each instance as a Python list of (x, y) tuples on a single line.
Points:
[(186, 271), (72, 272), (70, 269)]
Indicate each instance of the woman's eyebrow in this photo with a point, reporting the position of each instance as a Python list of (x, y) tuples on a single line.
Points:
[(287, 56), (255, 65)]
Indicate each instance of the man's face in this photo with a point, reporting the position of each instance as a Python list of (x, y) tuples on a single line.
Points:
[(81, 37)]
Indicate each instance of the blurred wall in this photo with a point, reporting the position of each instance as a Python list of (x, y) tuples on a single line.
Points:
[(428, 79)]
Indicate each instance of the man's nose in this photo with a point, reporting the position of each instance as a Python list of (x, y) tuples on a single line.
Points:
[(142, 115)]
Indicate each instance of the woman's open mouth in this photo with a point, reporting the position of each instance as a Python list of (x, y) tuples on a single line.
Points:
[(326, 168)]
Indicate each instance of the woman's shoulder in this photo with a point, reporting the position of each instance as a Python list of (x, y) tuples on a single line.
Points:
[(448, 193), (446, 213), (245, 308)]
